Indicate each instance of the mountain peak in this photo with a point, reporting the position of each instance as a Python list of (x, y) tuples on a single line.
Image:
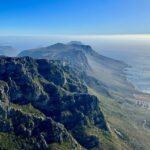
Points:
[(75, 43), (56, 45)]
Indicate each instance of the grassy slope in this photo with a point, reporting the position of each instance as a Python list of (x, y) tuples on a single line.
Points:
[(28, 109), (126, 122), (64, 146), (8, 141)]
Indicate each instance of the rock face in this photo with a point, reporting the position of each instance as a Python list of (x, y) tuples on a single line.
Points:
[(39, 131), (55, 90)]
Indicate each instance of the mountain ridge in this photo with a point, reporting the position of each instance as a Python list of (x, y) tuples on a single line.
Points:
[(60, 85), (56, 94), (105, 70)]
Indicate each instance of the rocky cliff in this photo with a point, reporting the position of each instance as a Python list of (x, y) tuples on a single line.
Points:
[(44, 105)]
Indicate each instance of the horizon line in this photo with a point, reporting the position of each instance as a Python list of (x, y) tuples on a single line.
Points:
[(85, 36)]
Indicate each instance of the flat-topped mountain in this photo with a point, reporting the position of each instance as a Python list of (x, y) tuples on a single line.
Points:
[(45, 105)]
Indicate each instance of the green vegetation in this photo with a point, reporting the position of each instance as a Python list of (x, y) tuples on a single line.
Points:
[(10, 141), (125, 121), (64, 146), (29, 109)]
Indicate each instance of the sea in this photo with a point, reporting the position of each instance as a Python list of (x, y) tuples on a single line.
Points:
[(135, 53)]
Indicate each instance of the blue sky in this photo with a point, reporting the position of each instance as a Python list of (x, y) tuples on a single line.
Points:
[(74, 17)]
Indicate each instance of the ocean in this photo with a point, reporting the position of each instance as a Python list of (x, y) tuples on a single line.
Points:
[(135, 53)]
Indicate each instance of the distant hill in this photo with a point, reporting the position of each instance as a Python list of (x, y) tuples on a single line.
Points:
[(8, 51)]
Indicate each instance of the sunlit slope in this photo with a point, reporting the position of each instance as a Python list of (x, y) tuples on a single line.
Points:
[(130, 124)]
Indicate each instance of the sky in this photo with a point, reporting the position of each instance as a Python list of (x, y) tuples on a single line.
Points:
[(74, 17)]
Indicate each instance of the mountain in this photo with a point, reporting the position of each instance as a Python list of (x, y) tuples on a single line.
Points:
[(124, 108), (45, 105), (75, 42), (104, 71), (8, 51)]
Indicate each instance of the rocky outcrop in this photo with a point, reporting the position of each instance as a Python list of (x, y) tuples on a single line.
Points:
[(40, 131), (56, 91)]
